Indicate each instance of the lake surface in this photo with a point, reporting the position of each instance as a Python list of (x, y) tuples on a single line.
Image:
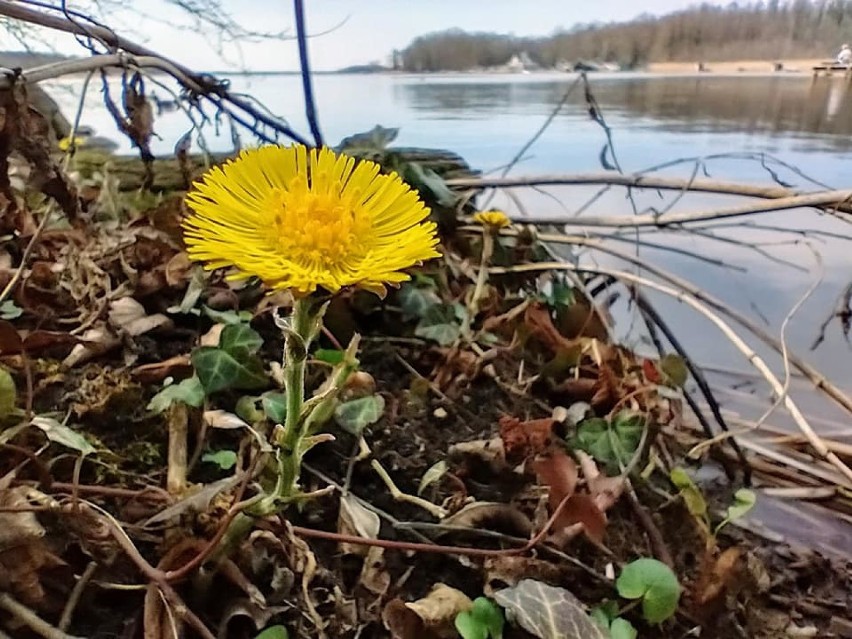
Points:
[(737, 123)]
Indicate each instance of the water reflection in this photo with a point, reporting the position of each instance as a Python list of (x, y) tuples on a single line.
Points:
[(788, 106)]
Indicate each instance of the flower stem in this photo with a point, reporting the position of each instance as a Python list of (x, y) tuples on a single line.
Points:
[(481, 279), (297, 342)]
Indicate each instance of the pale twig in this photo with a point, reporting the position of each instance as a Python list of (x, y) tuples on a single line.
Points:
[(433, 509), (76, 593), (30, 619), (753, 358)]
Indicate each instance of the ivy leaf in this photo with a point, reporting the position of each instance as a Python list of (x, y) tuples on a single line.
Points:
[(189, 391), (356, 415), (62, 434), (275, 406), (655, 584), (239, 340), (425, 179), (440, 324), (416, 300), (611, 442), (225, 459), (547, 612), (218, 369)]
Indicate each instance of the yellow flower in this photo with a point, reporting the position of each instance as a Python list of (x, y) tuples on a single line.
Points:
[(302, 220), (494, 220)]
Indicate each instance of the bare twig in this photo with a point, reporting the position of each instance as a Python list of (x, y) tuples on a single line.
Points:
[(30, 619)]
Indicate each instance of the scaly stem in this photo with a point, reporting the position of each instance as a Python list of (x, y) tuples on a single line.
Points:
[(297, 342), (481, 279)]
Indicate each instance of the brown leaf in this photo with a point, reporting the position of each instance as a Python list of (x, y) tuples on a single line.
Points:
[(538, 322), (10, 340), (606, 392), (559, 472), (582, 509), (403, 623), (178, 366), (491, 516), (439, 608), (718, 576), (524, 439), (178, 269)]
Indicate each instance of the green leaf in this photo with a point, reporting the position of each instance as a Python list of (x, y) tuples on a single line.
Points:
[(226, 317), (416, 300), (674, 369), (275, 406), (217, 369), (744, 501), (62, 434), (611, 442), (433, 474), (490, 615), (622, 629), (359, 413), (691, 494), (561, 294), (274, 632), (470, 627), (9, 310), (226, 459), (593, 437), (425, 179), (655, 584), (240, 340), (368, 143), (8, 393), (600, 617), (440, 324), (329, 355), (247, 409), (189, 391)]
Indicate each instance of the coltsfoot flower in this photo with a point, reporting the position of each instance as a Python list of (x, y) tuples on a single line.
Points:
[(302, 219), (493, 220)]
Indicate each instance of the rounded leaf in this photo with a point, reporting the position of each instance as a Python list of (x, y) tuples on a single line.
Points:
[(655, 584)]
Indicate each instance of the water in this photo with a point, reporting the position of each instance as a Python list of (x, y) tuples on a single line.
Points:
[(802, 122)]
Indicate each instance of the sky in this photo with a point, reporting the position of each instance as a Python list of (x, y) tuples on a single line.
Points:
[(362, 31)]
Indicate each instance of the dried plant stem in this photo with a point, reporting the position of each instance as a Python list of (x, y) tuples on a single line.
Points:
[(30, 619), (433, 509), (753, 358)]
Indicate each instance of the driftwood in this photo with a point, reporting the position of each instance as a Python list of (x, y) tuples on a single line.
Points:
[(639, 180), (168, 176)]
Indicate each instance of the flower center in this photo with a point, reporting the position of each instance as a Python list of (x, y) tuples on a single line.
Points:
[(323, 228)]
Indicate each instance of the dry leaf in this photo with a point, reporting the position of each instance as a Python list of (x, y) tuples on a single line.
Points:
[(524, 439), (130, 316), (439, 608), (491, 516), (356, 519)]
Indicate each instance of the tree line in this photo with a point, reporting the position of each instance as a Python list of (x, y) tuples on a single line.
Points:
[(769, 30)]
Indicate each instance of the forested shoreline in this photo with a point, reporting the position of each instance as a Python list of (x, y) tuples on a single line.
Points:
[(761, 30)]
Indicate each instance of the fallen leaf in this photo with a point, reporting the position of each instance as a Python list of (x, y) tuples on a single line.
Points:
[(403, 623), (717, 576), (177, 366), (356, 519), (559, 472), (129, 315), (538, 322), (547, 612), (178, 269), (491, 516), (439, 608), (524, 439)]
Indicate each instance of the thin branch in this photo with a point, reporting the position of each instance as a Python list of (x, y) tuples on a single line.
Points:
[(305, 67)]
